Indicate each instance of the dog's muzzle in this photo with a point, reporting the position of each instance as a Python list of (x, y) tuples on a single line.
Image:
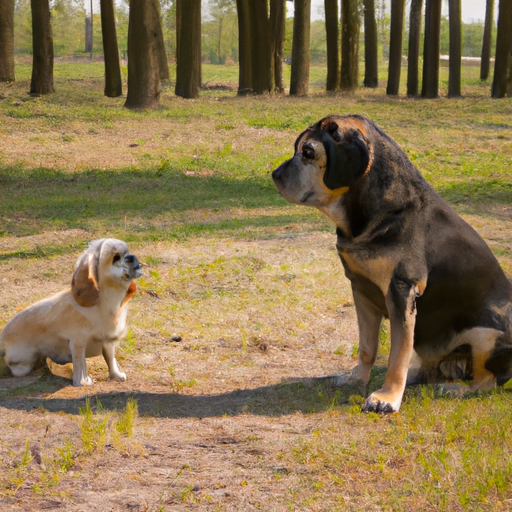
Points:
[(132, 266), (279, 175)]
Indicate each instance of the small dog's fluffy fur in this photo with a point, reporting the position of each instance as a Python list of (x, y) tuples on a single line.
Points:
[(84, 321)]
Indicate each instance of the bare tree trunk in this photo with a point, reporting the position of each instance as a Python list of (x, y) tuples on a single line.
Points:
[(414, 47), (430, 87), (371, 75), (162, 54), (277, 21), (244, 48), (7, 41), (42, 43), (485, 61), (88, 34), (332, 36), (454, 87), (502, 63), (299, 80), (188, 61), (395, 46), (143, 67), (113, 82), (349, 45), (260, 47)]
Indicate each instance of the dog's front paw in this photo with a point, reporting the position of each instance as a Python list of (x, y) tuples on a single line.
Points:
[(118, 377), (382, 401), (84, 381)]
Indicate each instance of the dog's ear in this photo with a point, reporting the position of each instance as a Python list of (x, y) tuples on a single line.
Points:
[(348, 155), (84, 286)]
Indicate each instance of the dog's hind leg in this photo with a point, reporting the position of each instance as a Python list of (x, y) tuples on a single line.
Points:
[(21, 360)]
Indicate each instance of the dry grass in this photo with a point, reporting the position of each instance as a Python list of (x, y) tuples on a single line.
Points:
[(234, 416)]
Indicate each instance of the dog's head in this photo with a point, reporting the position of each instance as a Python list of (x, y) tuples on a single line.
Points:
[(106, 263), (329, 158)]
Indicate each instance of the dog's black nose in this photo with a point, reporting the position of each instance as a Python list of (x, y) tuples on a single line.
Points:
[(277, 174), (132, 260)]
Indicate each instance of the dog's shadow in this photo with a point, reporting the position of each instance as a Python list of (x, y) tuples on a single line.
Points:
[(307, 395)]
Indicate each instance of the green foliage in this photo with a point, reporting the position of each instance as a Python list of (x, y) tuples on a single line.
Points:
[(124, 424), (93, 427)]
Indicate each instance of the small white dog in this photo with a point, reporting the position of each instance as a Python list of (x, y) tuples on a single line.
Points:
[(84, 321)]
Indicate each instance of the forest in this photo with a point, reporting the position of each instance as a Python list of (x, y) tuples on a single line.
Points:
[(259, 37)]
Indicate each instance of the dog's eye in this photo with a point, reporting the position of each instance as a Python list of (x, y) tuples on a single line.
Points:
[(308, 151), (116, 259)]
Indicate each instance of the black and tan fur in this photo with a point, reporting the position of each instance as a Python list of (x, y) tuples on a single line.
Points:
[(408, 256)]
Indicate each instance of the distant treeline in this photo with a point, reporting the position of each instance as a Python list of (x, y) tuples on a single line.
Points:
[(219, 32)]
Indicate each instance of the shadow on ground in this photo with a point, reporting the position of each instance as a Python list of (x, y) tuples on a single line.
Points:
[(307, 395)]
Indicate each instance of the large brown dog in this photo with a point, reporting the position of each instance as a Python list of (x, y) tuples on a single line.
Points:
[(408, 256), (84, 321)]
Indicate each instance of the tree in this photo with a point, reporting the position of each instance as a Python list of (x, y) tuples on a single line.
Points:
[(244, 48), (162, 54), (502, 64), (371, 56), (395, 46), (143, 66), (7, 41), (277, 20), (454, 89), (430, 87), (485, 60), (42, 43), (188, 51), (414, 47), (113, 83), (349, 45), (260, 47), (299, 80), (332, 34)]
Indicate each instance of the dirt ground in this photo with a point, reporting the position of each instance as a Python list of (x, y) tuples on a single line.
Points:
[(216, 444)]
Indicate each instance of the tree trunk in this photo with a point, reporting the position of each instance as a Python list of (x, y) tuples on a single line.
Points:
[(395, 46), (332, 35), (277, 21), (485, 61), (162, 54), (42, 42), (371, 56), (7, 41), (349, 45), (502, 64), (244, 48), (454, 88), (299, 80), (113, 83), (260, 47), (143, 67), (430, 87), (188, 60), (414, 47)]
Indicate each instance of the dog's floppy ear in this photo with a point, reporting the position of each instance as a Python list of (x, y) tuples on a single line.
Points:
[(348, 155), (84, 286)]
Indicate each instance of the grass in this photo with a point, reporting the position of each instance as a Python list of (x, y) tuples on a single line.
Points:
[(234, 415)]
